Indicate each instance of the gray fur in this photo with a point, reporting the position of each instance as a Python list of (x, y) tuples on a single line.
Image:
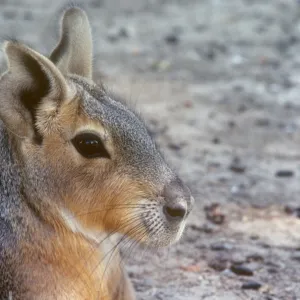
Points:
[(135, 146)]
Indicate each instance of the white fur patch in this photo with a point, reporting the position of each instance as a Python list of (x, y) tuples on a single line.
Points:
[(72, 222)]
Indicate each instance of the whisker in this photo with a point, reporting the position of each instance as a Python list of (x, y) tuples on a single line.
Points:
[(102, 210)]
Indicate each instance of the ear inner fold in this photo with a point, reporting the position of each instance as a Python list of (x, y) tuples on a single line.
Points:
[(30, 80)]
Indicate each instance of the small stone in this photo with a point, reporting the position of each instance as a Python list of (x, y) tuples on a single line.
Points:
[(236, 166), (188, 104), (228, 273), (237, 59), (208, 228), (254, 237), (174, 146), (216, 141), (262, 122), (231, 124), (172, 38), (117, 33), (218, 264), (191, 268), (291, 210), (272, 270), (214, 214), (255, 257), (251, 285), (241, 270), (221, 246), (161, 65), (284, 173), (296, 256), (9, 14), (238, 259), (242, 108), (123, 32)]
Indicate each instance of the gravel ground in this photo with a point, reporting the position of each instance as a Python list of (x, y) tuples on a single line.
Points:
[(218, 82)]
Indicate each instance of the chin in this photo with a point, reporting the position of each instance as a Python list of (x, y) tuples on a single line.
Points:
[(163, 237)]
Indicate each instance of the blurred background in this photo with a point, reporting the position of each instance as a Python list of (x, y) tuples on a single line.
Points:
[(218, 83)]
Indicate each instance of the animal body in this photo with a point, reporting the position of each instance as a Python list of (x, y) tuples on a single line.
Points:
[(76, 167)]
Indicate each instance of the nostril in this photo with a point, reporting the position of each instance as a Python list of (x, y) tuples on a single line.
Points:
[(174, 212)]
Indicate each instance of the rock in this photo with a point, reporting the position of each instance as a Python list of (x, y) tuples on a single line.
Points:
[(254, 237), (291, 210), (214, 214), (228, 273), (216, 141), (117, 33), (284, 173), (236, 166), (272, 270), (221, 246), (219, 264), (262, 122), (255, 257), (174, 146), (188, 104), (251, 285), (172, 39), (241, 270), (296, 256), (238, 259), (9, 14), (206, 228), (231, 124)]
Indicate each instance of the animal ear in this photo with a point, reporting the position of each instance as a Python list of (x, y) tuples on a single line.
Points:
[(30, 81), (73, 54)]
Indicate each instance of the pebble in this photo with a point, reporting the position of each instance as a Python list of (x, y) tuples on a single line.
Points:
[(116, 33), (206, 228), (231, 124), (262, 122), (237, 59), (284, 173), (238, 259), (9, 14), (216, 141), (236, 166), (255, 257), (241, 270), (251, 285), (296, 256), (172, 39), (218, 264), (160, 65), (221, 246), (292, 210), (254, 237), (174, 146), (214, 214)]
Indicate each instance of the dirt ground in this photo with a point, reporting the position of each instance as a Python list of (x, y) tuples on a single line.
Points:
[(218, 82)]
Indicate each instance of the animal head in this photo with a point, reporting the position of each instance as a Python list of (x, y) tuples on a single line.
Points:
[(84, 157)]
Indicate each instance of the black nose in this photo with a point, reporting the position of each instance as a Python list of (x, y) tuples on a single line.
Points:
[(175, 211), (177, 200)]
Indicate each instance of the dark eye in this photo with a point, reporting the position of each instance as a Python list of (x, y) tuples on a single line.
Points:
[(90, 145)]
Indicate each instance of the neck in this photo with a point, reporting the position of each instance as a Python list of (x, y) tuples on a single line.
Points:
[(73, 224), (9, 176)]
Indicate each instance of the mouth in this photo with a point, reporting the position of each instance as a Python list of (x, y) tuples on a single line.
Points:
[(158, 230)]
